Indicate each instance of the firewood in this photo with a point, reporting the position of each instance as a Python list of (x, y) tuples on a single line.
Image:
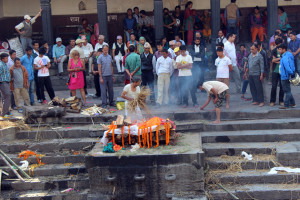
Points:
[(120, 121), (72, 111), (63, 102), (70, 99), (127, 121)]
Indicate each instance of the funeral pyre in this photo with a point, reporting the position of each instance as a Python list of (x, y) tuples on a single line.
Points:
[(149, 133)]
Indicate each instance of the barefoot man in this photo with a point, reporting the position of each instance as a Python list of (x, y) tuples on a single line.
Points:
[(217, 91)]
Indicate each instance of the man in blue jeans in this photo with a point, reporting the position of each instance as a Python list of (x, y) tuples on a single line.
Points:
[(27, 62), (287, 69)]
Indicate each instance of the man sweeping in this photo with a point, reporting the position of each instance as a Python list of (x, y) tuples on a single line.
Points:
[(217, 91)]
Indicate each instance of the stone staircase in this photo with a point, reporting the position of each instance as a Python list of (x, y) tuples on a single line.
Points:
[(270, 136), (269, 141), (63, 153)]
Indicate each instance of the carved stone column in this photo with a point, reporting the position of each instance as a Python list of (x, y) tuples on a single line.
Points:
[(102, 18), (215, 23), (272, 6), (158, 19), (47, 21)]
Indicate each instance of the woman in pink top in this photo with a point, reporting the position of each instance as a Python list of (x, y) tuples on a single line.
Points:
[(76, 67)]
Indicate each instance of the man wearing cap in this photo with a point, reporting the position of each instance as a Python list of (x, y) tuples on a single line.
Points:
[(78, 48), (147, 63), (171, 48), (59, 55), (118, 50), (101, 43), (25, 30), (88, 52)]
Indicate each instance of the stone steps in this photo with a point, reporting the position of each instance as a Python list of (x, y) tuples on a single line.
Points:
[(45, 194), (263, 161), (47, 183), (252, 136), (49, 158), (235, 149), (58, 133), (52, 170), (46, 146), (176, 114), (258, 191), (256, 176)]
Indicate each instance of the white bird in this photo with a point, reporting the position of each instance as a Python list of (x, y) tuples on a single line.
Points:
[(24, 165)]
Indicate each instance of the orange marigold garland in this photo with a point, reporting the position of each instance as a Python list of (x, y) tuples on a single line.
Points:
[(122, 130), (129, 134), (157, 136), (139, 137), (150, 137), (113, 135)]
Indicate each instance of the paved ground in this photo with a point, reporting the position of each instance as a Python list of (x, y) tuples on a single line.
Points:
[(236, 103)]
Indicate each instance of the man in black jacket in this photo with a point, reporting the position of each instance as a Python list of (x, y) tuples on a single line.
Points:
[(198, 53), (147, 63)]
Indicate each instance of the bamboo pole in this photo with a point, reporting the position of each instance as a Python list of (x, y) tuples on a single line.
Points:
[(14, 164), (11, 167), (235, 197)]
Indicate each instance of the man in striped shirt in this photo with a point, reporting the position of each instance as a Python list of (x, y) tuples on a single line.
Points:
[(5, 79)]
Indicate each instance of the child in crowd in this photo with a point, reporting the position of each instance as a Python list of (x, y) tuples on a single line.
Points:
[(224, 67), (19, 83), (42, 64)]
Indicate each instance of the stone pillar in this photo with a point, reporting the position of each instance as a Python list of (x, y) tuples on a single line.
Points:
[(47, 21), (158, 19), (272, 6), (215, 23), (102, 18)]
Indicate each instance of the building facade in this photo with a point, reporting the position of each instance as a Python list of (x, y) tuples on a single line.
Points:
[(61, 17)]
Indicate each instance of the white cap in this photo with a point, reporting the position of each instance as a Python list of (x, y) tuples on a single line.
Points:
[(78, 41), (147, 45), (27, 17), (58, 39)]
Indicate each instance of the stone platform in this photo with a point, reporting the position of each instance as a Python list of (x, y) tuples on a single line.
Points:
[(165, 172)]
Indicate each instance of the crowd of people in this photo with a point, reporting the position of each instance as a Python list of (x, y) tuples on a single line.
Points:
[(178, 66)]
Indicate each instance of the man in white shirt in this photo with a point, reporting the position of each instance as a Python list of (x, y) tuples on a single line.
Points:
[(221, 38), (224, 66), (217, 91), (42, 64), (184, 64), (118, 50), (79, 43), (164, 70), (88, 52), (101, 43), (25, 30), (11, 58), (230, 52), (171, 48)]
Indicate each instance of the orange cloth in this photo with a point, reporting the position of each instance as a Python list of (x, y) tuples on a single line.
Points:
[(257, 31)]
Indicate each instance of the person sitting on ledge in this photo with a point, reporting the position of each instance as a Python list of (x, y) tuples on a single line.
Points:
[(217, 91)]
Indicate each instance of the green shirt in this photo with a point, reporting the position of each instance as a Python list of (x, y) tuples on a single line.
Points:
[(132, 62), (276, 54)]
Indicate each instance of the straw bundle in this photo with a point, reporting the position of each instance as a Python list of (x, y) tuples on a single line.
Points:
[(140, 100)]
